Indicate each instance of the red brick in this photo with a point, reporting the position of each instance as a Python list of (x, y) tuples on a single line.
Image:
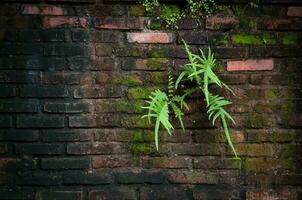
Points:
[(215, 23), (294, 11), (111, 161), (103, 50), (53, 22), (192, 177), (149, 37), (250, 65), (267, 195), (42, 10)]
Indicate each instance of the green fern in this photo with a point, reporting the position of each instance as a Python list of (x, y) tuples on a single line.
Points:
[(200, 70), (159, 107)]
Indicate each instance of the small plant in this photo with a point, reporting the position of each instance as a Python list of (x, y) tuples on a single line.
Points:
[(199, 70)]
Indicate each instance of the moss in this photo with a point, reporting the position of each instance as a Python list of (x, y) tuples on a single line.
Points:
[(136, 10), (161, 53), (246, 39), (157, 63), (141, 148), (139, 92), (170, 13), (268, 39), (159, 77), (271, 94), (155, 25), (290, 39)]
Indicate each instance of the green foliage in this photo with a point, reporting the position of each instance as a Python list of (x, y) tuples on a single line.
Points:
[(159, 107), (199, 70), (149, 5)]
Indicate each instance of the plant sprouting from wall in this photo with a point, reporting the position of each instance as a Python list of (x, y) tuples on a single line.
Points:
[(199, 70)]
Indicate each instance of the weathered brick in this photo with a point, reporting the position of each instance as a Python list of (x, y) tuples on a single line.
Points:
[(213, 192), (69, 78), (87, 177), (40, 122), (103, 64), (151, 64), (294, 11), (117, 105), (58, 21), (112, 161), (108, 148), (195, 177), (149, 37), (119, 78), (256, 150), (44, 91), (140, 177), (59, 194), (167, 162), (40, 149), (162, 192), (214, 163), (113, 193), (250, 65), (267, 164), (65, 163), (66, 135), (221, 22), (107, 36), (119, 23), (39, 179), (24, 106), (103, 50), (19, 135), (197, 149), (6, 121), (68, 107), (43, 10), (8, 91), (66, 49), (82, 121), (3, 148), (98, 92), (79, 148), (19, 77)]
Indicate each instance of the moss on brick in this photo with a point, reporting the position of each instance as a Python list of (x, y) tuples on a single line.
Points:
[(265, 39), (155, 25), (290, 39), (140, 92), (141, 148), (136, 10)]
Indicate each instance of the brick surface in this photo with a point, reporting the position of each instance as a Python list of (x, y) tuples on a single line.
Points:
[(76, 74), (149, 37), (250, 65)]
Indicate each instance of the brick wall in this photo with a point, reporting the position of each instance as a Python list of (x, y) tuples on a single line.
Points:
[(74, 74)]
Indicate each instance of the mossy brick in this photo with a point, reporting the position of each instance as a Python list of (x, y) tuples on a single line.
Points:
[(87, 178), (255, 150), (265, 39), (193, 37), (136, 136), (40, 121), (290, 150), (155, 24), (58, 91), (103, 148), (66, 135), (215, 192), (291, 39), (266, 164), (197, 149), (141, 148), (19, 135), (40, 148), (140, 177), (260, 120), (115, 192), (39, 179), (167, 162), (135, 121), (65, 163), (213, 163), (136, 10), (140, 92), (59, 194), (108, 106)]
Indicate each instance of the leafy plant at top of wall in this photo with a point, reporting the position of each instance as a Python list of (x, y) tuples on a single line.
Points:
[(200, 71)]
